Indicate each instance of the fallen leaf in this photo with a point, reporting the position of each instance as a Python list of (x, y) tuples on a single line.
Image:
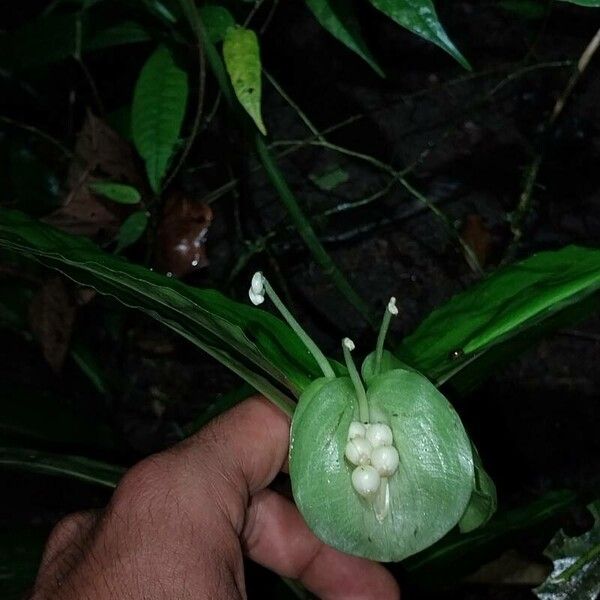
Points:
[(181, 236), (477, 236), (100, 154), (51, 318)]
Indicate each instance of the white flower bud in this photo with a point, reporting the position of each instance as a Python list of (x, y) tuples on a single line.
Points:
[(358, 451), (356, 429), (257, 284), (365, 480), (392, 308), (386, 460), (256, 299), (348, 343), (379, 434)]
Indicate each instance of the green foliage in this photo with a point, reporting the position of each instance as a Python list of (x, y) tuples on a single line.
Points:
[(158, 110), (241, 54), (338, 17), (132, 230), (428, 493), (76, 467), (117, 192), (419, 16), (483, 502), (205, 317), (217, 20), (576, 573), (507, 303)]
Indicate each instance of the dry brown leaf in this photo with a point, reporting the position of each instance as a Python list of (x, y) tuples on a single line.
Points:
[(51, 318), (476, 235), (100, 154), (181, 236)]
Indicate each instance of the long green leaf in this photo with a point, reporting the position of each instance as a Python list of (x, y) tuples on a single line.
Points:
[(338, 17), (205, 317), (241, 54), (419, 16), (159, 102), (75, 467), (510, 302)]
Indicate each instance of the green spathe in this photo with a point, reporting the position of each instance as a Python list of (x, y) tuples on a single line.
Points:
[(428, 493)]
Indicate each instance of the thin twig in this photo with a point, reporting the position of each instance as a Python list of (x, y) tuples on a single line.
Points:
[(519, 216)]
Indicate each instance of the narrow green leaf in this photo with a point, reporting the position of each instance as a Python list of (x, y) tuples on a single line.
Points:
[(576, 573), (205, 317), (217, 20), (338, 17), (75, 467), (509, 302), (131, 230), (117, 192), (419, 16), (159, 102), (242, 60)]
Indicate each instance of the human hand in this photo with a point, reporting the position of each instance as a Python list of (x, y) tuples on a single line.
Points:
[(180, 521)]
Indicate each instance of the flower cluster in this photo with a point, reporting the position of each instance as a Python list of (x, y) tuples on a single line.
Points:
[(370, 448)]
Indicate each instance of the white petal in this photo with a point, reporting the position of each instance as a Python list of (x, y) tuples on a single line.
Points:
[(258, 283), (386, 460), (356, 429), (358, 451), (256, 299), (366, 480), (379, 434), (348, 343)]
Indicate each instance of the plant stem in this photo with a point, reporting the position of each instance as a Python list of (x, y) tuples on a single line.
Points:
[(385, 325), (300, 221), (361, 395), (299, 331), (307, 232)]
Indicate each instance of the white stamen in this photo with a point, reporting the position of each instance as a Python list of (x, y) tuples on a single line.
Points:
[(348, 343), (358, 451), (386, 460), (356, 429), (257, 284), (366, 480), (256, 299), (380, 434), (392, 308)]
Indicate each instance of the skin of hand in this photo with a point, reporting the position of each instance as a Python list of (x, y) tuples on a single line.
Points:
[(180, 522)]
